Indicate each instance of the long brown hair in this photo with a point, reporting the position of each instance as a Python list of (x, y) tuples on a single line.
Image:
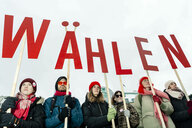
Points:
[(98, 99), (113, 102)]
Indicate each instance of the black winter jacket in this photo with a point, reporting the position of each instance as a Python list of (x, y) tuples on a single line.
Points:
[(95, 114), (36, 116), (180, 116)]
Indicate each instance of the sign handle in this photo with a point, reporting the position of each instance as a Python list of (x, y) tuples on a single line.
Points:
[(124, 103), (108, 96), (182, 86), (157, 105)]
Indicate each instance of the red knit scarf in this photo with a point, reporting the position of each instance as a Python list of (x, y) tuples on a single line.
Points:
[(23, 105), (58, 93), (160, 95)]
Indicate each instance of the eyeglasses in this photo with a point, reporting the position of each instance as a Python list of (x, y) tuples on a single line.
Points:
[(118, 95), (61, 83)]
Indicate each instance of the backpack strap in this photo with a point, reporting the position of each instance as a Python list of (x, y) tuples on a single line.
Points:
[(53, 101), (140, 98)]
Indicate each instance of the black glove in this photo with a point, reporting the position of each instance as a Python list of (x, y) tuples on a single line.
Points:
[(8, 119), (10, 102), (66, 112), (70, 101)]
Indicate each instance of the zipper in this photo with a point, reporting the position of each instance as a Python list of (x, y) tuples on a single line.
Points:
[(100, 109)]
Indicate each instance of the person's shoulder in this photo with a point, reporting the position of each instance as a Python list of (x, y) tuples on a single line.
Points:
[(48, 100), (40, 100)]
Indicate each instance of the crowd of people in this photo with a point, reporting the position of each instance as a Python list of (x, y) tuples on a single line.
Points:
[(29, 111)]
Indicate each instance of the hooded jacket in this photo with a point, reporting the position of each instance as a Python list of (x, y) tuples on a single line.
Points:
[(52, 120), (35, 117), (95, 114), (180, 116)]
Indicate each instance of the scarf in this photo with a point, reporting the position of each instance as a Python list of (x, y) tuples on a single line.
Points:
[(23, 105), (160, 95), (178, 94), (58, 93)]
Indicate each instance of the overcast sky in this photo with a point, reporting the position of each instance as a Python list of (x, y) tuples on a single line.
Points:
[(109, 20)]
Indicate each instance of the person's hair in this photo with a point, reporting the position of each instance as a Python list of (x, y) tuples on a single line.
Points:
[(98, 99), (113, 102)]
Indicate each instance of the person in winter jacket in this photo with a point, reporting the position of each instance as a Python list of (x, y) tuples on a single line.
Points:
[(144, 103), (131, 113), (182, 115), (56, 110), (26, 109), (96, 112)]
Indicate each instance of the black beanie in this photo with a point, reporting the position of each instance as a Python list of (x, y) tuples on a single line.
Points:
[(56, 84)]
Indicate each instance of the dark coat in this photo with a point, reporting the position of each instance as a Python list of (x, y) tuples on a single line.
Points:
[(180, 116), (120, 120), (36, 115), (52, 120), (95, 114)]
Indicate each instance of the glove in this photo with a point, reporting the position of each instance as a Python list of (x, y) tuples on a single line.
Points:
[(127, 113), (66, 112), (7, 119), (111, 114), (70, 101), (190, 111), (10, 102), (189, 103), (157, 99)]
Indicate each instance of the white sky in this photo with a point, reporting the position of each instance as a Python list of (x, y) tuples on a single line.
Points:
[(109, 20)]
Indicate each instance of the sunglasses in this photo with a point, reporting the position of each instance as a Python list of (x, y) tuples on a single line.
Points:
[(118, 95), (61, 83)]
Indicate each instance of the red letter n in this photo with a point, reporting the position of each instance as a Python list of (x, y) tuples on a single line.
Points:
[(91, 54), (143, 53), (178, 53), (10, 46)]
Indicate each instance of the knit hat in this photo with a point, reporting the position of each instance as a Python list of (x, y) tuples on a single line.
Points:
[(34, 84), (94, 83), (168, 83), (140, 90), (56, 84)]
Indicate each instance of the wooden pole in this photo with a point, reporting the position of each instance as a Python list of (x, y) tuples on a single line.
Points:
[(18, 68), (108, 96), (18, 65), (182, 86), (157, 105), (124, 103), (68, 76)]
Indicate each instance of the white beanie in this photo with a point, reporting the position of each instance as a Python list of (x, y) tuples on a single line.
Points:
[(168, 83)]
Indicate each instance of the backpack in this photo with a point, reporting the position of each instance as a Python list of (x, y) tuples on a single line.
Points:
[(53, 101)]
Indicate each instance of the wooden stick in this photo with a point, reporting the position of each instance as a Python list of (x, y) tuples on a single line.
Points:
[(18, 65), (124, 103), (108, 96), (182, 86), (68, 76), (67, 87), (157, 105), (17, 69)]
